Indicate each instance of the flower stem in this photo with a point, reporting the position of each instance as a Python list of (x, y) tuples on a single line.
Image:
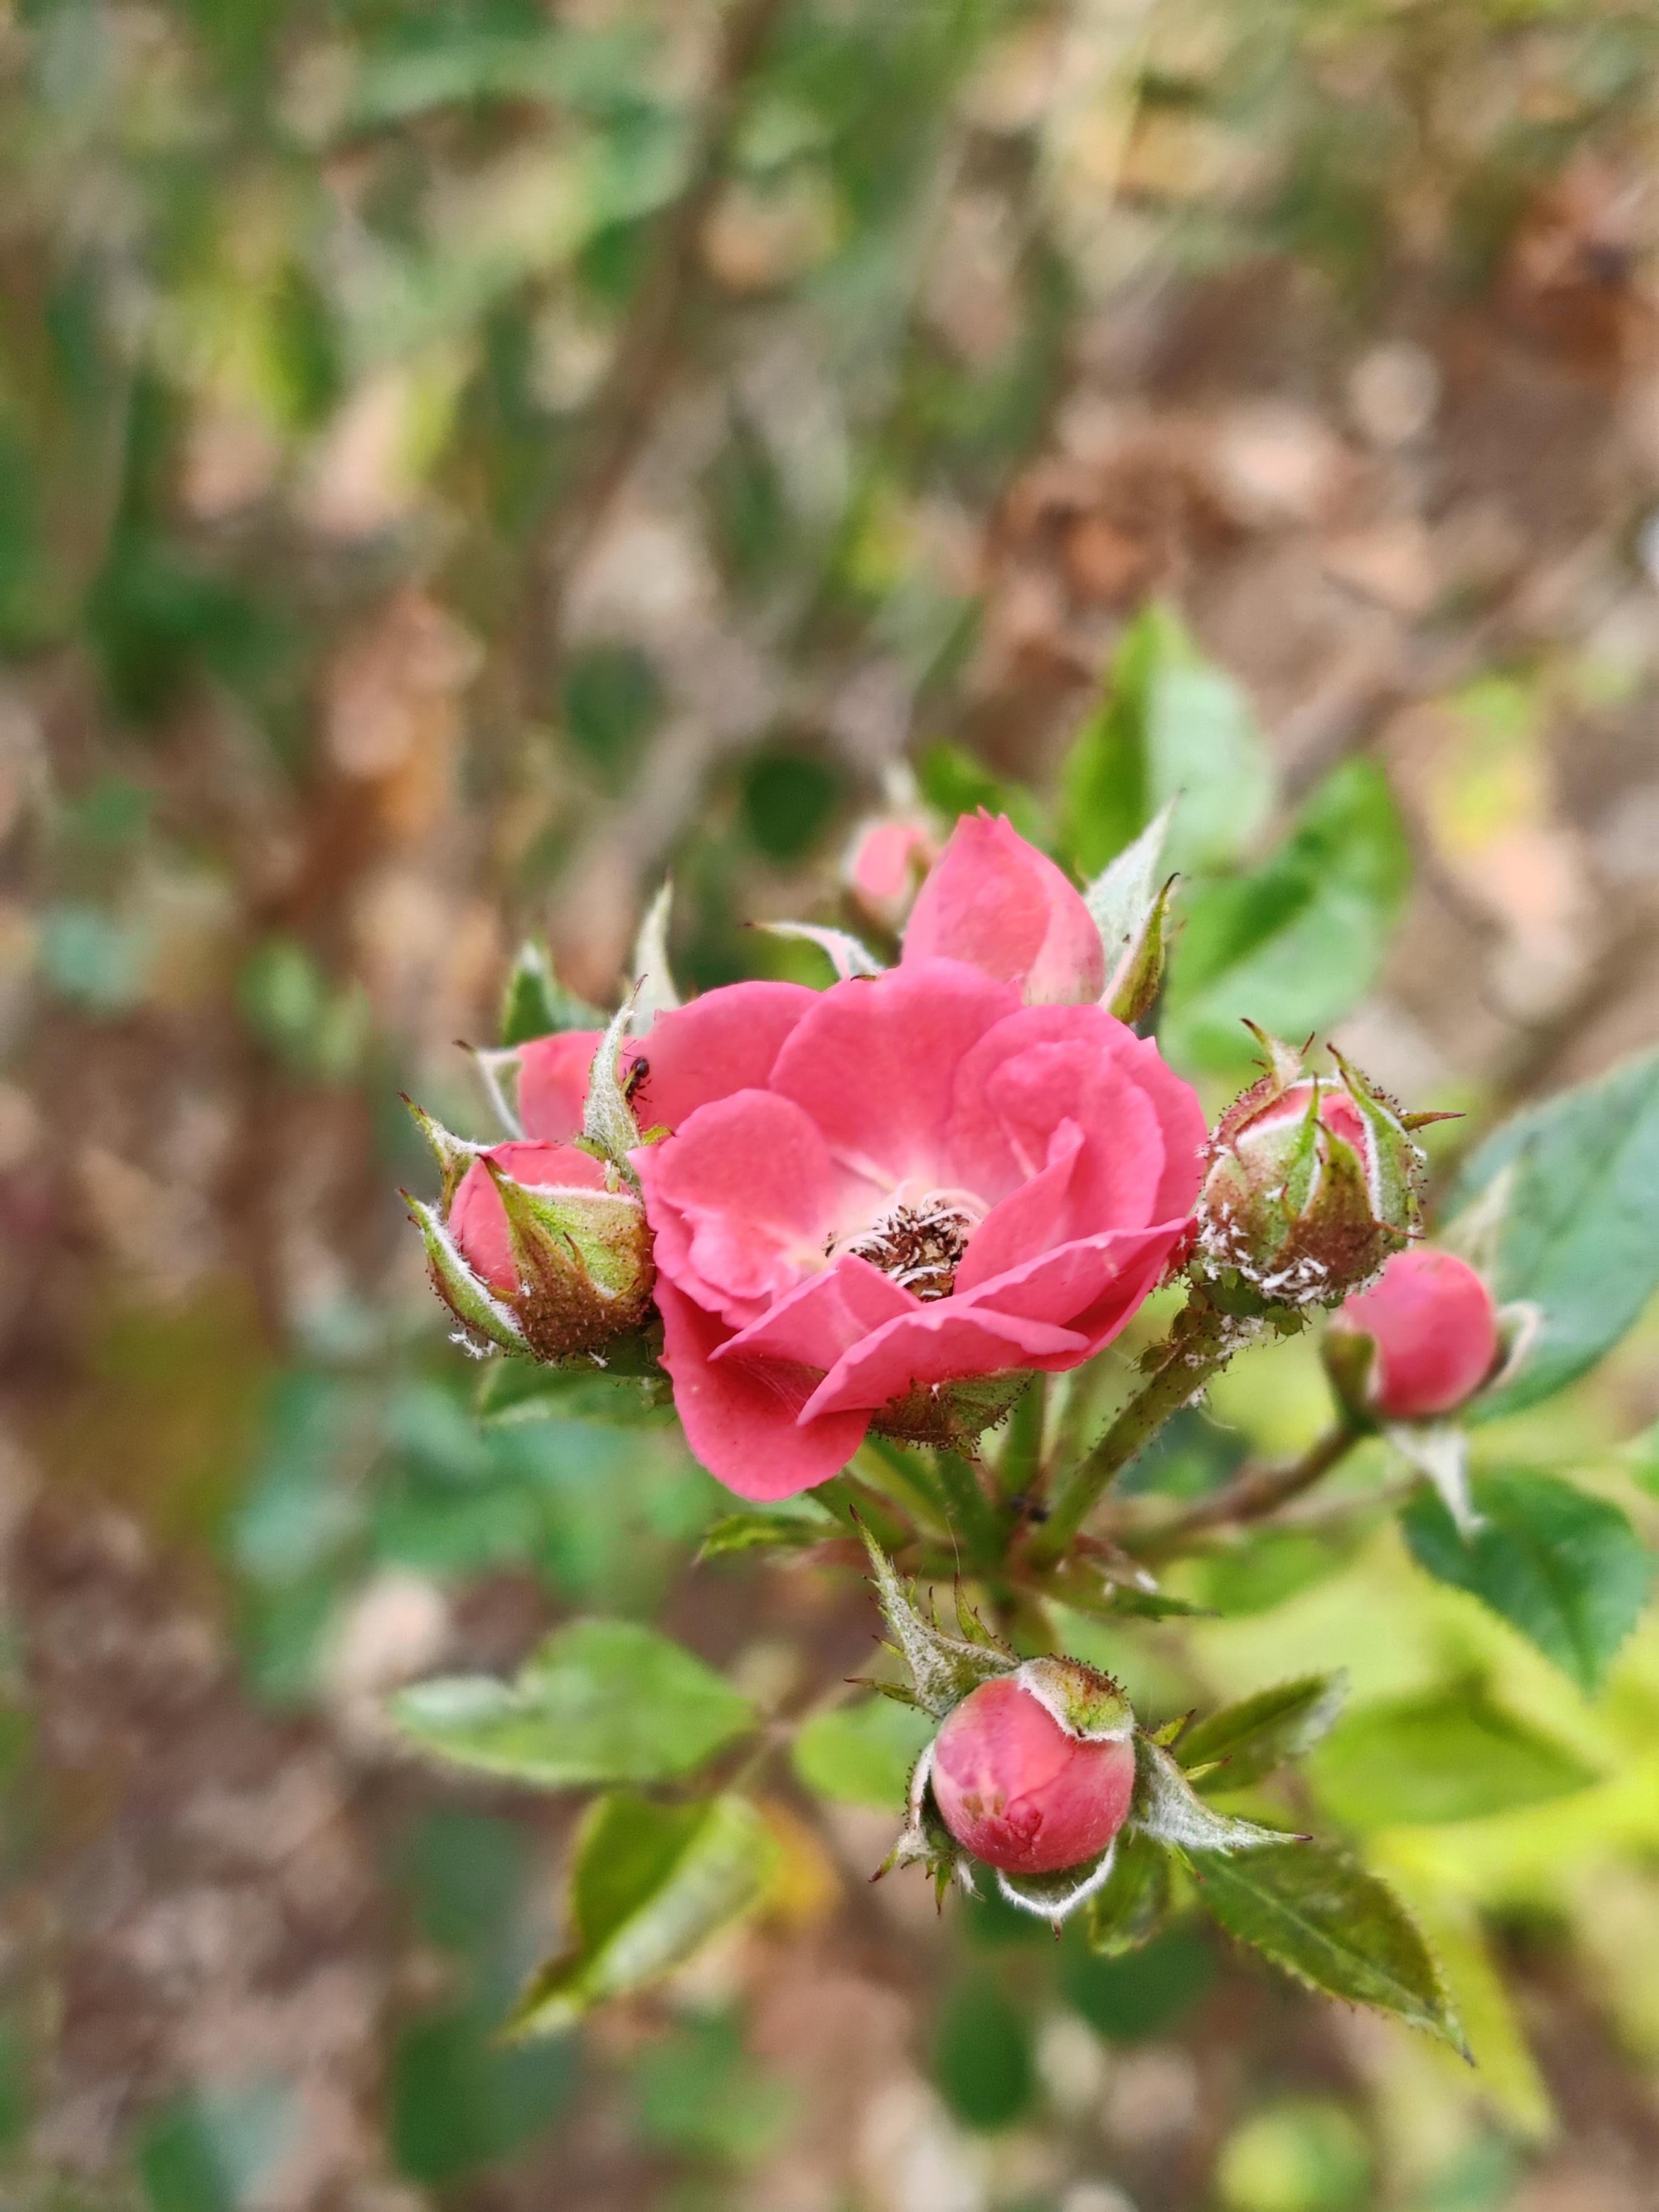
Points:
[(1201, 1340), (968, 1509), (1250, 1496), (904, 1479), (1022, 1451)]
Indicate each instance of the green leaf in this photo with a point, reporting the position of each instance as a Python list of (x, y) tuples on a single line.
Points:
[(862, 1754), (516, 1391), (1566, 1569), (1259, 1733), (1130, 1907), (1171, 727), (1297, 942), (652, 1884), (1453, 1755), (1579, 1237), (536, 1004), (982, 2055), (802, 1522), (601, 1701), (1330, 1924)]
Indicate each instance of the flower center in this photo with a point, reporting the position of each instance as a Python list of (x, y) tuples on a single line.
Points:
[(919, 1242)]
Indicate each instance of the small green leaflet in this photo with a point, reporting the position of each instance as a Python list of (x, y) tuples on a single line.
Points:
[(599, 1701), (514, 1392), (1300, 940), (1171, 726), (652, 1884), (1453, 1755), (1130, 1906), (862, 1753), (1580, 1233), (802, 1522), (1326, 1921), (535, 1003), (1251, 1738), (1566, 1569)]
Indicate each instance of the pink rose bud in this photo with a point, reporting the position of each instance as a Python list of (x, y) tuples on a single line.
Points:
[(997, 904), (1035, 1770), (536, 1247), (1431, 1321), (1311, 1184), (885, 865)]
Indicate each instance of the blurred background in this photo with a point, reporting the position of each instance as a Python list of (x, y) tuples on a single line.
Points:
[(460, 458)]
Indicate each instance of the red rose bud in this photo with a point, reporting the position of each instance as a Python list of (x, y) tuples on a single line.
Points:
[(536, 1247), (1310, 1184), (1434, 1332), (1034, 1771)]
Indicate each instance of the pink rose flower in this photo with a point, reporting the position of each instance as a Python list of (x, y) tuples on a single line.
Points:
[(1021, 1790), (1435, 1329), (998, 903), (894, 1186)]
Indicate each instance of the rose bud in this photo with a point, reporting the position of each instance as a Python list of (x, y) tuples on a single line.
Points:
[(1034, 1771), (1310, 1184), (1433, 1331), (536, 1248), (884, 866)]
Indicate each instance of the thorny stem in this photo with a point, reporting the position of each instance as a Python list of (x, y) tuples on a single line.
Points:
[(1202, 1340), (1250, 1496)]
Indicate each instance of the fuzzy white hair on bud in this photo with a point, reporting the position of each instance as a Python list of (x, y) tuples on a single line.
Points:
[(844, 952)]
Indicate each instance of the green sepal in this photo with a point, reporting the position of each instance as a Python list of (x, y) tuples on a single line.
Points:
[(943, 1668), (1133, 1903), (535, 1003), (483, 1319), (1167, 1808)]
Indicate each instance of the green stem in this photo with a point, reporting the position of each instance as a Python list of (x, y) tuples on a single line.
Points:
[(1251, 1496), (905, 1482), (968, 1511), (1201, 1342), (1022, 1452), (858, 1506)]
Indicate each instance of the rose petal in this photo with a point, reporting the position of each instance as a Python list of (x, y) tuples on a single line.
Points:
[(743, 1199), (726, 1040), (478, 1219), (553, 1073), (826, 1316), (1090, 1287), (948, 1342), (874, 1062), (743, 1420), (998, 903), (1001, 1115), (1033, 1217)]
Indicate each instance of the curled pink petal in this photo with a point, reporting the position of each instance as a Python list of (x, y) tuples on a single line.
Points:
[(825, 1316), (743, 1420), (999, 904), (945, 1342)]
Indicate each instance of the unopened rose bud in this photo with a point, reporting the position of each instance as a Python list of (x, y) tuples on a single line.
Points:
[(884, 866), (536, 1248), (1311, 1184), (1034, 1771), (1433, 1329)]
